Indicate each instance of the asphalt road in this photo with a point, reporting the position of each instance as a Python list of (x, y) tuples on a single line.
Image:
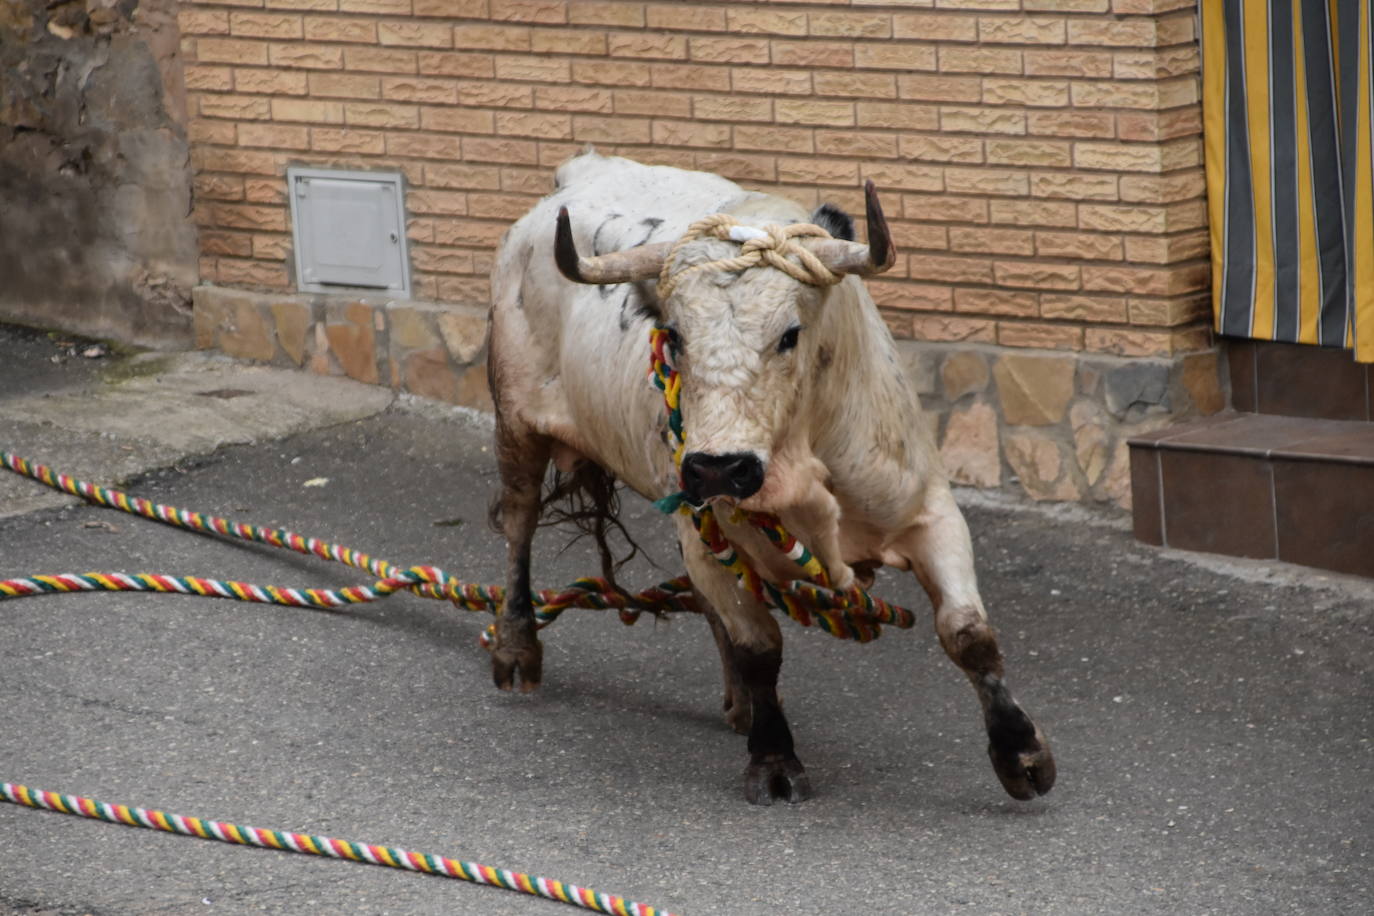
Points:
[(1212, 725)]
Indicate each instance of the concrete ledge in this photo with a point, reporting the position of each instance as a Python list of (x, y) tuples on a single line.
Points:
[(432, 350)]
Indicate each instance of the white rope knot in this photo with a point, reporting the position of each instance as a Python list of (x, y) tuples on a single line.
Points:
[(770, 246)]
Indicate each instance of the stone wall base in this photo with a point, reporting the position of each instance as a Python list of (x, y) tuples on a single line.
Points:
[(1052, 424)]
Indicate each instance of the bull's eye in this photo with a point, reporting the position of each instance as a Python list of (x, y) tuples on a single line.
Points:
[(788, 339)]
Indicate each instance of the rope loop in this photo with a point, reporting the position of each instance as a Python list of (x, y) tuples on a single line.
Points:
[(769, 246)]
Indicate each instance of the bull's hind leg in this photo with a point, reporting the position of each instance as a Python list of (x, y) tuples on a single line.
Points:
[(750, 643), (942, 557), (522, 461)]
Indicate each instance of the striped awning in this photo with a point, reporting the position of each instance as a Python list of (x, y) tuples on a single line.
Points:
[(1290, 183)]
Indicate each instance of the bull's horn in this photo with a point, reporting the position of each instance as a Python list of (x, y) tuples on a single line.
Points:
[(849, 258), (640, 263)]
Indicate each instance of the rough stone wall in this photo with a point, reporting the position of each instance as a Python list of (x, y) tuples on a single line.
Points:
[(95, 183)]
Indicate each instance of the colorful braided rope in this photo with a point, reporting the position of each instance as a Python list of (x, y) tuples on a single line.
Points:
[(310, 844), (850, 614)]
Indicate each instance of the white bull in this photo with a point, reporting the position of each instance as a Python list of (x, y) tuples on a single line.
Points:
[(794, 402)]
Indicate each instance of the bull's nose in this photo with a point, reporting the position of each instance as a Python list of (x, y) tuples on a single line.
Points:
[(738, 474)]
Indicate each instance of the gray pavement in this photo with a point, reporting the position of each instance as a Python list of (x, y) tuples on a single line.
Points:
[(1212, 719)]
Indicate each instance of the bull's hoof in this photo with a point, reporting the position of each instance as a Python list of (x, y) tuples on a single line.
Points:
[(775, 776), (739, 714), (525, 661), (1026, 769)]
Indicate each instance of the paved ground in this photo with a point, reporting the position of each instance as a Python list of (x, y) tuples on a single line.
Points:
[(1212, 721)]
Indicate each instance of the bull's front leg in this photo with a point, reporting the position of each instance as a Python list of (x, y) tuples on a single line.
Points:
[(522, 461), (750, 643), (941, 555)]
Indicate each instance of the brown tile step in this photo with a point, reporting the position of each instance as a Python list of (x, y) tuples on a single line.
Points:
[(1254, 485)]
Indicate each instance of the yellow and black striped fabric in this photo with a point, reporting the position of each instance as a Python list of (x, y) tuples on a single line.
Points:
[(1286, 110)]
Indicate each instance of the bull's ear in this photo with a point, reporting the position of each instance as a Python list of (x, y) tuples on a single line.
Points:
[(640, 263), (832, 219), (865, 260)]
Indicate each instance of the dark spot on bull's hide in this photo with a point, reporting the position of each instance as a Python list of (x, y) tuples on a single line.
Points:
[(824, 358), (597, 248), (835, 221)]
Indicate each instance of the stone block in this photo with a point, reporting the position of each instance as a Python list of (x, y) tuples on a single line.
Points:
[(1040, 467), (411, 328), (963, 372), (292, 320), (919, 363), (1200, 376), (1034, 390), (429, 374), (352, 338), (969, 452), (1141, 385), (464, 333), (1090, 439)]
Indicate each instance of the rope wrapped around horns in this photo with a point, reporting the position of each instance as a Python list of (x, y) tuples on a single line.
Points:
[(766, 247)]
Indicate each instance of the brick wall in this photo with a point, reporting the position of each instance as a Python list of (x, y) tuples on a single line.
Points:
[(1040, 159)]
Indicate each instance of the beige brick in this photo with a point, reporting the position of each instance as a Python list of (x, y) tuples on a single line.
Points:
[(464, 175), (737, 166), (338, 28), (818, 171), (553, 11), (488, 37), (240, 107), (599, 12), (370, 114), (1068, 62), (730, 50), (495, 95), (1042, 93), (1074, 186), (922, 297), (1167, 249), (457, 119), (940, 328), (891, 55), (1048, 153), (420, 89), (265, 25), (732, 108), (502, 205), (850, 25), (1071, 123), (814, 111), (616, 73), (1096, 309), (1058, 214), (657, 45), (682, 17), (1039, 336), (945, 269), (863, 144), (423, 146), (1128, 343), (251, 162), (380, 60), (232, 272), (661, 104), (574, 98), (1143, 281), (527, 181), (243, 216), (456, 63), (384, 7), (1038, 275), (219, 187), (1002, 182), (777, 139), (533, 69), (271, 247), (1159, 125), (440, 203), (1131, 218), (1080, 245), (203, 133), (1067, 6), (265, 190), (1158, 63), (996, 301), (534, 124), (445, 9), (274, 136), (954, 59), (941, 148), (898, 115), (987, 240), (1119, 157), (935, 27), (1114, 32), (1169, 312), (771, 80), (567, 41), (902, 176), (469, 232), (1115, 94), (929, 88), (595, 129), (318, 111), (336, 140), (270, 82), (852, 83), (766, 20), (979, 4), (202, 22), (1027, 30), (212, 79), (231, 51), (233, 244), (945, 208), (415, 34), (667, 132), (816, 54), (690, 76), (981, 120)]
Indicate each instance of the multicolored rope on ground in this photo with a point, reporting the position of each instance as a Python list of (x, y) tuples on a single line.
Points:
[(310, 844), (850, 614)]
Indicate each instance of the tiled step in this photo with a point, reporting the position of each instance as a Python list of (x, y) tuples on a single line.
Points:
[(1252, 485), (1295, 380)]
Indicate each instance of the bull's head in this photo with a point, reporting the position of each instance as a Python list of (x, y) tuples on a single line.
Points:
[(743, 350)]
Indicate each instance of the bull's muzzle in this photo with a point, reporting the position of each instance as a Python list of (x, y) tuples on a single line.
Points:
[(737, 474)]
